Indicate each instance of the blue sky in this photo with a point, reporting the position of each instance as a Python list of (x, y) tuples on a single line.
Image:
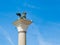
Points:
[(45, 14)]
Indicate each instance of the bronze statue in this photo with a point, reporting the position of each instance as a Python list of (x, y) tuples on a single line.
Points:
[(18, 14), (23, 16)]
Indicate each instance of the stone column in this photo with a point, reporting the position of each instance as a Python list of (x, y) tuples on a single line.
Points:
[(22, 26)]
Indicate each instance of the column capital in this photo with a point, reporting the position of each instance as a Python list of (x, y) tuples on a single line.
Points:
[(22, 21), (22, 24)]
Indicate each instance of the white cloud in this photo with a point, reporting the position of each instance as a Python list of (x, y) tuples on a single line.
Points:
[(31, 6), (7, 36), (10, 40), (40, 39), (54, 23)]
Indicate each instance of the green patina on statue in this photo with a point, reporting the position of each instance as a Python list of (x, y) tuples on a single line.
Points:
[(23, 16)]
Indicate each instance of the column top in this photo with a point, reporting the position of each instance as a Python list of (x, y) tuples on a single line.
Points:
[(22, 19)]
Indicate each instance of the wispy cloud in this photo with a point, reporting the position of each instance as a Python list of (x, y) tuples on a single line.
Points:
[(7, 36), (42, 41), (54, 23), (31, 6), (40, 38)]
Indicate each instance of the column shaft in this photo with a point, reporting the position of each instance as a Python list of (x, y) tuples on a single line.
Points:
[(21, 38)]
